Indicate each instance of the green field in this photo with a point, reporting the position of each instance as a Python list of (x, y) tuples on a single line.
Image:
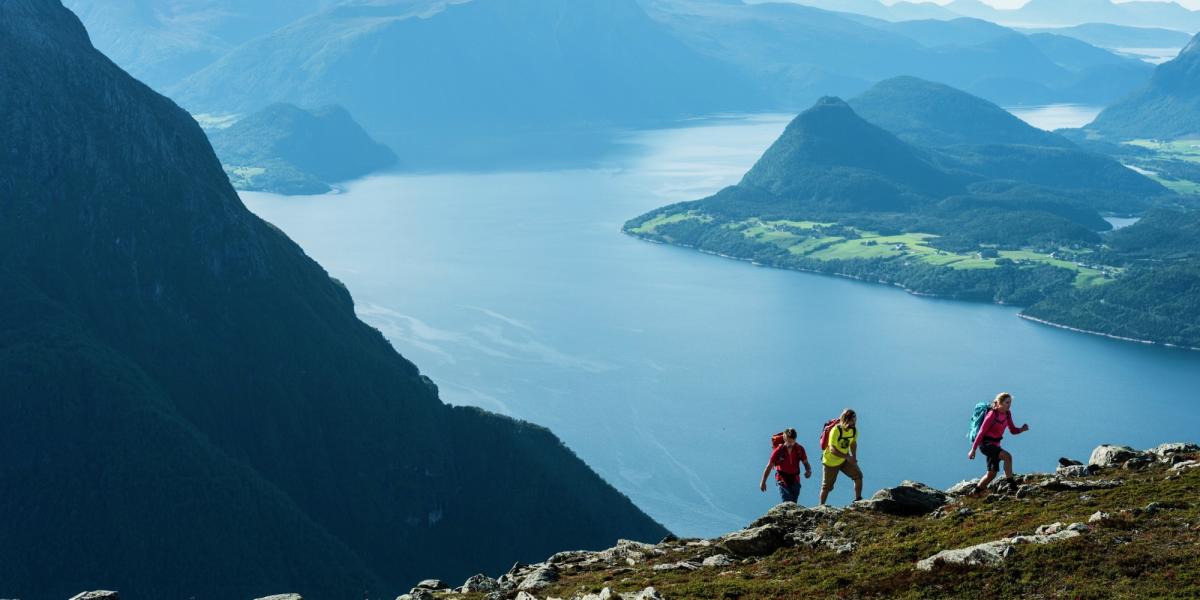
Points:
[(650, 227), (808, 239), (1184, 150)]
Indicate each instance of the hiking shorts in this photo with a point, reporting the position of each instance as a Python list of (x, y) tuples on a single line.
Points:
[(789, 492), (829, 474), (992, 452)]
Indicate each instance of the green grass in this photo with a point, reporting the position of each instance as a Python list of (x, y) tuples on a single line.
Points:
[(661, 219), (805, 238)]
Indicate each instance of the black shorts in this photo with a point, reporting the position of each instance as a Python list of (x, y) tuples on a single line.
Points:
[(992, 452)]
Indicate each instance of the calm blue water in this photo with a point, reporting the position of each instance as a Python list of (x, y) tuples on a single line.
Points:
[(667, 370), (1057, 116)]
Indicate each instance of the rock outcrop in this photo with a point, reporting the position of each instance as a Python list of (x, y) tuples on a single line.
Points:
[(990, 554), (907, 499)]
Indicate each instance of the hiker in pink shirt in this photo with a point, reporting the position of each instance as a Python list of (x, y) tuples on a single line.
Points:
[(999, 418)]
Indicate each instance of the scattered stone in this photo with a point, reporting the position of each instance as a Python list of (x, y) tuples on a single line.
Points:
[(97, 595), (755, 541), (1073, 471), (1187, 464), (1099, 517), (963, 488), (629, 552), (480, 583), (605, 594), (416, 594), (1074, 485), (647, 594), (1107, 456), (1068, 462), (273, 597), (541, 577), (525, 596), (677, 566), (1050, 529), (718, 560), (910, 498)]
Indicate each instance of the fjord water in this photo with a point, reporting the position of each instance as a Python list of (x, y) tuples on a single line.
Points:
[(1057, 116), (667, 370)]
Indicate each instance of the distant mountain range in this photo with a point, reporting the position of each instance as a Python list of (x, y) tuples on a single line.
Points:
[(1035, 13), (191, 408), (286, 149), (162, 41), (1167, 108)]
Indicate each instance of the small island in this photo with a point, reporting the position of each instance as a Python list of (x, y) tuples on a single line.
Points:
[(289, 150)]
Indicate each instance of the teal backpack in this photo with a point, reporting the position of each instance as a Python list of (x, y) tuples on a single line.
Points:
[(981, 411)]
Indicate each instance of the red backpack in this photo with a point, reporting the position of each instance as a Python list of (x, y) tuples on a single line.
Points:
[(829, 425), (777, 440)]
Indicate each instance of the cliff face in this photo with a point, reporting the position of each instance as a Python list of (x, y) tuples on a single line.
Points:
[(1123, 525), (190, 406)]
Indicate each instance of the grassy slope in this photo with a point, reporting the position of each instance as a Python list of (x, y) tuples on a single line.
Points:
[(1133, 554), (868, 245)]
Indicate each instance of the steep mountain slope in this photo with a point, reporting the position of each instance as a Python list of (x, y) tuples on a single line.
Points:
[(162, 41), (830, 157), (1167, 108), (286, 149), (160, 341), (430, 76), (1105, 35)]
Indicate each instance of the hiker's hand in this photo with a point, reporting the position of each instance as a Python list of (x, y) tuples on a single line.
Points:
[(763, 486), (1025, 427), (971, 455), (807, 474)]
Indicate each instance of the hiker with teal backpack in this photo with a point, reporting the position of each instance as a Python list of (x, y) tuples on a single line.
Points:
[(839, 440), (786, 458), (987, 429)]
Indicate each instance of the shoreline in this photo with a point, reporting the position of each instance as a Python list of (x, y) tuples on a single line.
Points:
[(1020, 315)]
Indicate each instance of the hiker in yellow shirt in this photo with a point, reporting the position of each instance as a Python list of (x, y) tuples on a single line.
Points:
[(841, 455)]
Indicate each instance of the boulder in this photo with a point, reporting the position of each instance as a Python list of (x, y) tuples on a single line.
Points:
[(755, 541), (1107, 456), (963, 488), (282, 597), (525, 596), (480, 583), (628, 551), (541, 577), (605, 594), (1187, 464), (96, 595), (1098, 517), (718, 560), (988, 554), (677, 566), (1068, 462), (907, 499), (432, 584), (790, 516)]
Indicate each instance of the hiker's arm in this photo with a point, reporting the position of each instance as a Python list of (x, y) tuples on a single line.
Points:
[(762, 485), (854, 450), (807, 469), (1012, 427)]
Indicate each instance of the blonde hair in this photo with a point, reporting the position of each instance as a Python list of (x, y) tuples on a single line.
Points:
[(1000, 398), (847, 415)]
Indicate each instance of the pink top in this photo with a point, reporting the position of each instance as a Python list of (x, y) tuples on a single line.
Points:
[(994, 425)]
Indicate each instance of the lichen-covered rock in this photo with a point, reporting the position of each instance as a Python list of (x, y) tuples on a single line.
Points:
[(1098, 517), (1079, 485), (97, 595), (541, 577), (684, 565), (1166, 451), (480, 583), (718, 560), (1073, 471), (1107, 456), (755, 541), (990, 554), (432, 584), (910, 498)]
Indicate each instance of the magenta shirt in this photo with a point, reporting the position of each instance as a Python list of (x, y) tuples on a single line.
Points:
[(994, 425)]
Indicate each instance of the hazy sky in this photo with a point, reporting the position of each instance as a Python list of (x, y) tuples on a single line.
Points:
[(1193, 4)]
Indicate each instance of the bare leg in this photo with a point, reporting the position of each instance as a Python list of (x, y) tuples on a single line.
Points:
[(858, 489), (1008, 468), (983, 483), (824, 495)]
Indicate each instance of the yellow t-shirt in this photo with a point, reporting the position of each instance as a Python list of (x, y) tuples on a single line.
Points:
[(840, 439)]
